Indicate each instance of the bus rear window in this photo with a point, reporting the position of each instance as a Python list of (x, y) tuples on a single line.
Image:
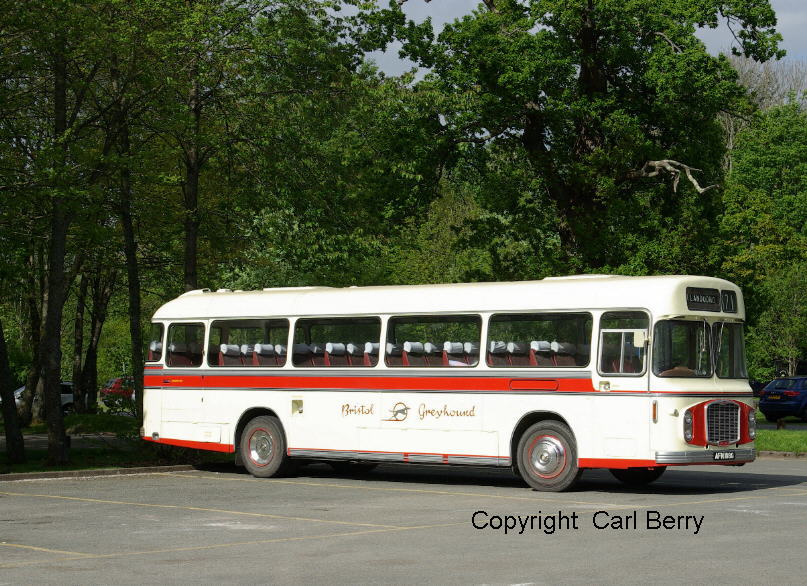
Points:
[(539, 340), (432, 341)]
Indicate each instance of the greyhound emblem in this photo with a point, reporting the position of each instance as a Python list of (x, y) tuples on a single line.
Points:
[(398, 412)]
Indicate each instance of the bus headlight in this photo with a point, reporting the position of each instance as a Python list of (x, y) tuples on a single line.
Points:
[(752, 424), (688, 426)]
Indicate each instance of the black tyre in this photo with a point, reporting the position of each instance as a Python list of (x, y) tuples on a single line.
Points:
[(547, 457), (772, 418), (263, 448), (352, 468), (638, 476)]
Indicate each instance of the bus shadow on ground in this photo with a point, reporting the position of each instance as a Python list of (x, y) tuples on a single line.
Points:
[(674, 482)]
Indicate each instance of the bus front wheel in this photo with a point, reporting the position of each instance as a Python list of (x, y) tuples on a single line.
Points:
[(263, 447), (547, 456)]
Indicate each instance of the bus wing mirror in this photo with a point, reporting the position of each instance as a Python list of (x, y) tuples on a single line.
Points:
[(639, 339)]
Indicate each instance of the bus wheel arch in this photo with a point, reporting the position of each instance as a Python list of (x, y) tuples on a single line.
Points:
[(544, 452)]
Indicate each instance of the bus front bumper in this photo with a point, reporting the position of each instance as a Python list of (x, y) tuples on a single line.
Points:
[(727, 456)]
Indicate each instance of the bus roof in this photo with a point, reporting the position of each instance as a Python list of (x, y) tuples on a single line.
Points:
[(662, 295)]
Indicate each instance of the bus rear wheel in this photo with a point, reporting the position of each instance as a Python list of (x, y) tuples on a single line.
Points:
[(638, 476), (263, 447), (547, 457)]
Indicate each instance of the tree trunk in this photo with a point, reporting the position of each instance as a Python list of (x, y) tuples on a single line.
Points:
[(102, 289), (79, 390), (193, 166), (34, 300), (15, 447), (50, 348)]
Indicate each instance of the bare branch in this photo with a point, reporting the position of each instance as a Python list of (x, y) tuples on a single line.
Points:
[(675, 47), (674, 168)]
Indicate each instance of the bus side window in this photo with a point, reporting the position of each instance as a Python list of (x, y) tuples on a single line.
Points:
[(154, 351), (539, 340), (185, 344), (328, 342), (240, 343), (622, 342), (433, 341)]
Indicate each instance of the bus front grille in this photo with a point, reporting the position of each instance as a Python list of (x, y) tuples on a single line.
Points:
[(722, 422)]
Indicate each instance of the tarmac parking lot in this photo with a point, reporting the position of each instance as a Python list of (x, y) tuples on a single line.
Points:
[(407, 524)]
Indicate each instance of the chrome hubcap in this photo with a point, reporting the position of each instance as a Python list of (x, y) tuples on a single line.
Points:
[(548, 456), (260, 447)]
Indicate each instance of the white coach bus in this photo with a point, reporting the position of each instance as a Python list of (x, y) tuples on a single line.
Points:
[(549, 377)]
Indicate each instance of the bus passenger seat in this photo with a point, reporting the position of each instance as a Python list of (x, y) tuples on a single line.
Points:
[(471, 350), (394, 354), (413, 354), (317, 354), (155, 350), (178, 354), (518, 353), (264, 355), (454, 354), (335, 354), (371, 353), (563, 354), (355, 354), (301, 355), (230, 355), (432, 355), (247, 354), (540, 353), (280, 354), (497, 350)]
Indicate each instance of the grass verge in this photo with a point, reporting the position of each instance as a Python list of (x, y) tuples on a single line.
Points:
[(782, 440)]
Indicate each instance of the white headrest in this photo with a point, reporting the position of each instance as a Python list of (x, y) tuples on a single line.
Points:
[(393, 349), (156, 346), (516, 347), (280, 349), (317, 348), (563, 348), (265, 349), (335, 348), (429, 348), (372, 347), (247, 349), (354, 349), (453, 347), (540, 346), (497, 347), (413, 347), (471, 347), (230, 349)]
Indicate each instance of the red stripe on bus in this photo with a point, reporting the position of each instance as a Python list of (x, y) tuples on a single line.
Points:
[(390, 383), (210, 446), (614, 463)]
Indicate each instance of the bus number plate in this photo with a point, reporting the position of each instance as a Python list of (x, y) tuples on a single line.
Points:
[(724, 456)]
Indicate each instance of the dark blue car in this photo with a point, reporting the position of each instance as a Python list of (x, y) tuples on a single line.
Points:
[(783, 397)]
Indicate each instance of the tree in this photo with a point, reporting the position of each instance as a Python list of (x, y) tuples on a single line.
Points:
[(602, 98)]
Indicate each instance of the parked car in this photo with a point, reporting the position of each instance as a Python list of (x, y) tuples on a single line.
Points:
[(783, 397), (118, 393), (67, 397)]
